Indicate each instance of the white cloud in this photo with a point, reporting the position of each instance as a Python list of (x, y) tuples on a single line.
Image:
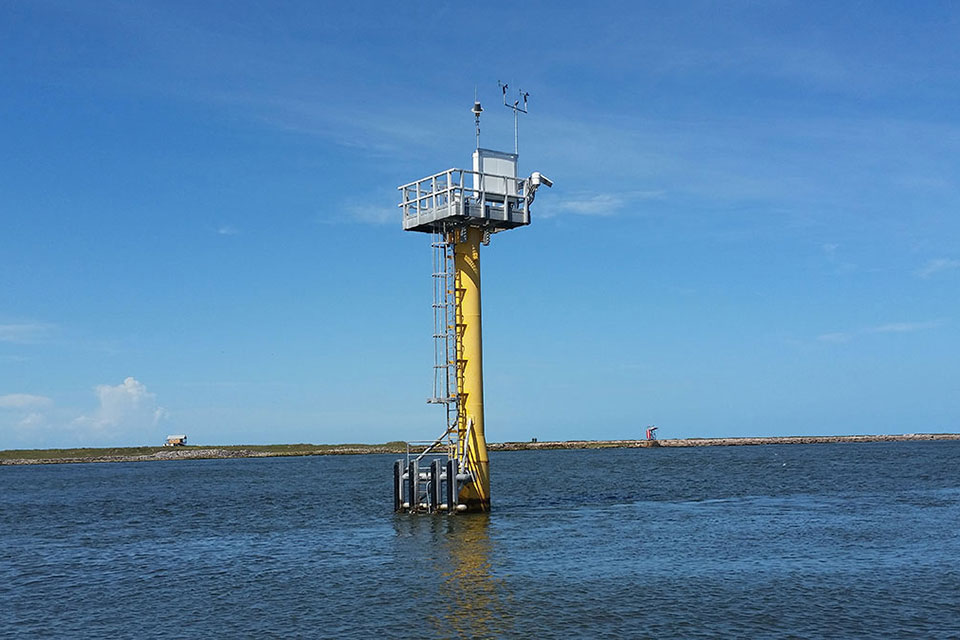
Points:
[(372, 214), (594, 204), (937, 265), (127, 407), (125, 413), (24, 332), (836, 336), (227, 230), (906, 327), (23, 401), (600, 204), (890, 327), (24, 420), (32, 421)]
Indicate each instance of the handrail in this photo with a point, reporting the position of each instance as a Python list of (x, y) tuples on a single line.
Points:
[(494, 199), (464, 171), (435, 443), (452, 186), (466, 442)]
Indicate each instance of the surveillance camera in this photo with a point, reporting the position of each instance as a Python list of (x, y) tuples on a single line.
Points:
[(538, 178)]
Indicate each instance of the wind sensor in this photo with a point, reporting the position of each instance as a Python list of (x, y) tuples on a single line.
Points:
[(517, 110)]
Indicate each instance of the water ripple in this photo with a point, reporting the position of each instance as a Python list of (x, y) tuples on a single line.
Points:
[(820, 541)]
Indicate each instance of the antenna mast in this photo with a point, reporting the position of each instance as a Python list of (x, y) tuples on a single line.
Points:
[(477, 110), (517, 110)]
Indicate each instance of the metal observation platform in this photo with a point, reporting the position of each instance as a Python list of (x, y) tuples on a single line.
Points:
[(461, 209), (490, 196)]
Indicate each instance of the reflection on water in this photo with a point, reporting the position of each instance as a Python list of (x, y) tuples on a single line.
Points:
[(471, 601)]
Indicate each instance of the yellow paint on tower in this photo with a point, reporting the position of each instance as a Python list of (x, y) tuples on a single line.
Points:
[(476, 494)]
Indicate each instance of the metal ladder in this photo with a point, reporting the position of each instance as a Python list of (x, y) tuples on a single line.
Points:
[(430, 477), (445, 363)]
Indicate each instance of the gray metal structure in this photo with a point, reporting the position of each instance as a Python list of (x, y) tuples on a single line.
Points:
[(490, 195), (429, 479)]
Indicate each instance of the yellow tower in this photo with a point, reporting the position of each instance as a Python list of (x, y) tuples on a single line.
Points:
[(461, 209), (476, 494)]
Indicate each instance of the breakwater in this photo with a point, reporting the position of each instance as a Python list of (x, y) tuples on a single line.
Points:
[(156, 454), (717, 442)]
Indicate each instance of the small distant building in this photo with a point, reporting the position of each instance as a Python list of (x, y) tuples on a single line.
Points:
[(176, 441)]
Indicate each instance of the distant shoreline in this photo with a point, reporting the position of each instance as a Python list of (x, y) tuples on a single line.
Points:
[(152, 454)]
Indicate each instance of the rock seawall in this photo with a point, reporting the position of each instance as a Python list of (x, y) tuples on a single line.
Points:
[(715, 442), (213, 453)]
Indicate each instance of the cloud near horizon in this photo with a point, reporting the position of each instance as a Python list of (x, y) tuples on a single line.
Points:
[(125, 413), (125, 408)]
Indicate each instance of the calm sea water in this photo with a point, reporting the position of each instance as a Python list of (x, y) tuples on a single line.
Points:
[(818, 541)]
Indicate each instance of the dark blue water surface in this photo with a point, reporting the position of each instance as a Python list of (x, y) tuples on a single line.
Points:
[(790, 541)]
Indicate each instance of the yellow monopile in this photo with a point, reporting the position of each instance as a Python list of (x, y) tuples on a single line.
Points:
[(475, 494)]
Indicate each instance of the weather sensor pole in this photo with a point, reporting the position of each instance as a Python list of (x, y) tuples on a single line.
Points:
[(517, 110), (460, 208)]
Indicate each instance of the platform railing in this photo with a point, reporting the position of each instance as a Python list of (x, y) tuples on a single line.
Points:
[(445, 194)]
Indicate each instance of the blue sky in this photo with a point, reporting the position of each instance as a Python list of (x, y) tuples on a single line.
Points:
[(753, 229)]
